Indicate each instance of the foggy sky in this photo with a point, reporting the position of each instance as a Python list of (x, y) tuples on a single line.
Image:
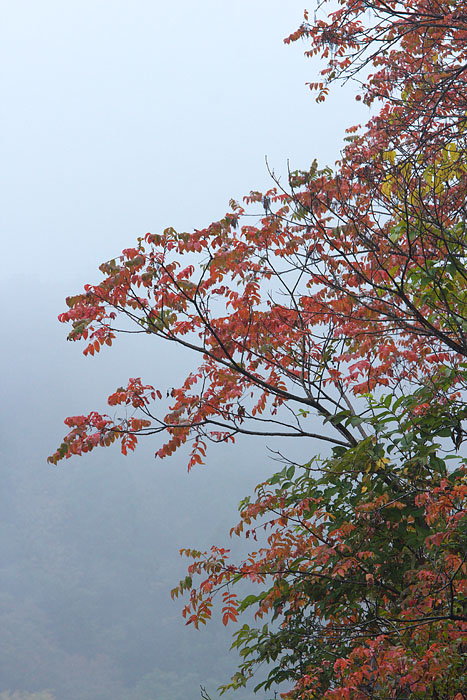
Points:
[(119, 118)]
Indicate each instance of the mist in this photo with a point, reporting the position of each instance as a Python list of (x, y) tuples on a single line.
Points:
[(117, 119)]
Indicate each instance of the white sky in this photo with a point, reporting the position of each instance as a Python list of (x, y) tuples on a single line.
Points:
[(122, 117), (118, 118)]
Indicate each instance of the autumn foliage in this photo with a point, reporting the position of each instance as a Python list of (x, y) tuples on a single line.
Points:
[(340, 297)]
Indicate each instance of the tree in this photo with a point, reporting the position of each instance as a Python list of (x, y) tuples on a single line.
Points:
[(364, 567), (348, 301)]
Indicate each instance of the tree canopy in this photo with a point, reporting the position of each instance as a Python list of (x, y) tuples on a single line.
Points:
[(342, 296)]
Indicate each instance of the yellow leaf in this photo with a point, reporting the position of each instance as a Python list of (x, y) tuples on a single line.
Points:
[(381, 462)]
